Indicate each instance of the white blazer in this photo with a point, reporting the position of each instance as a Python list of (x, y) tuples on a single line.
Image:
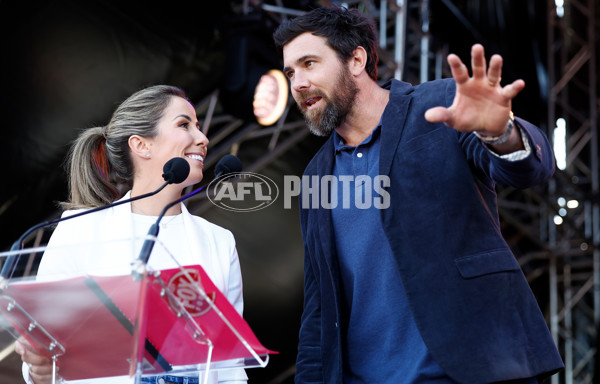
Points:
[(107, 241)]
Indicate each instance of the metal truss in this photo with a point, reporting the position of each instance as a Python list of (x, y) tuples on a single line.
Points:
[(228, 133), (574, 230), (397, 60)]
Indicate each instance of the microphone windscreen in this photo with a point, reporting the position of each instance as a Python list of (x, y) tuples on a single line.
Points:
[(228, 164), (176, 170)]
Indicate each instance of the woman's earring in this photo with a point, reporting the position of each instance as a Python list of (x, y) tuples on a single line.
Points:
[(148, 155)]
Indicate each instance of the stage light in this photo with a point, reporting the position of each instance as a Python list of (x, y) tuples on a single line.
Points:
[(270, 97), (560, 143), (251, 89), (572, 204)]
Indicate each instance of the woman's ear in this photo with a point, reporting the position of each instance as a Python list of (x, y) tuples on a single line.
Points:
[(139, 147), (358, 61)]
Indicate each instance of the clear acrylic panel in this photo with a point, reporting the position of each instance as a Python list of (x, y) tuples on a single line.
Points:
[(101, 314)]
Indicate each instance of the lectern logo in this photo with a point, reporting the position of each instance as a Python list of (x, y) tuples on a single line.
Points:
[(187, 292)]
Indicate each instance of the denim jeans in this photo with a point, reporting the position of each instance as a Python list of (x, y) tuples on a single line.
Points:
[(167, 379)]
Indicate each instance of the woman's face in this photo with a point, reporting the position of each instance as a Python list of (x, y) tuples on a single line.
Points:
[(179, 135)]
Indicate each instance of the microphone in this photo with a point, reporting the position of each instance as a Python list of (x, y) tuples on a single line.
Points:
[(227, 164), (175, 171)]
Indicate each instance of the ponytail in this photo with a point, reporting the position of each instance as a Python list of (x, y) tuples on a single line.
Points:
[(90, 181)]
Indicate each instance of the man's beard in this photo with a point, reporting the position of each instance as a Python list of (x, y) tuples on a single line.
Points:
[(323, 122)]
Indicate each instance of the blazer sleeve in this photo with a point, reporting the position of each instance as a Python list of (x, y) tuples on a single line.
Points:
[(59, 260), (538, 167), (534, 169)]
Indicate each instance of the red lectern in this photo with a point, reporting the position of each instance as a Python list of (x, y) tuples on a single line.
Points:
[(172, 321)]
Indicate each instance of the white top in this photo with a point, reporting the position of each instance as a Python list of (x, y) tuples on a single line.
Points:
[(107, 241)]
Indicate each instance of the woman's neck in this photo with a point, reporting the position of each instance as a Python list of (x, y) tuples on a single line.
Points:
[(153, 205)]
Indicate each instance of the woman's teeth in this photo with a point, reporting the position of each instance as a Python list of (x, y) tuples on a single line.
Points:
[(196, 157)]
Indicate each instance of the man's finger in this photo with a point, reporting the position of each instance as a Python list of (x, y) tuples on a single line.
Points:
[(438, 114), (511, 90), (460, 73), (478, 64), (495, 70)]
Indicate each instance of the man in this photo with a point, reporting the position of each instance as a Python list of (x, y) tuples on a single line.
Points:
[(421, 287)]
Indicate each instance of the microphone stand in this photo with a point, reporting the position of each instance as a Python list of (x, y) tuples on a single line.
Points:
[(12, 261), (139, 265), (226, 165)]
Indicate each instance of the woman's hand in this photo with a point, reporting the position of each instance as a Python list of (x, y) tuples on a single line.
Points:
[(40, 367)]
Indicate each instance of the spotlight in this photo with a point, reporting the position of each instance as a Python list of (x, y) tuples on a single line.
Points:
[(270, 97), (250, 89)]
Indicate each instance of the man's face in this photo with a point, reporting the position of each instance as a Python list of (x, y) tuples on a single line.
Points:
[(321, 84)]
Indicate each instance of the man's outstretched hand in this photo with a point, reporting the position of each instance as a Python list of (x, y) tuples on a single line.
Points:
[(480, 103)]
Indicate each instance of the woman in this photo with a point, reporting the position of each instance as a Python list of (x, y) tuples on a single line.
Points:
[(148, 129)]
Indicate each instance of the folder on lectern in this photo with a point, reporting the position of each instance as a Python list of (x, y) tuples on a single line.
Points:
[(173, 320)]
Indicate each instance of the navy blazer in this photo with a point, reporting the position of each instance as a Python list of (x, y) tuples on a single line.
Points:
[(468, 295)]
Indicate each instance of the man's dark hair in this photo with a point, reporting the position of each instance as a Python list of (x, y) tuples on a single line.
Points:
[(345, 30)]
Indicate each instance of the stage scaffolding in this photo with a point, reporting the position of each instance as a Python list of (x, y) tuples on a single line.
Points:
[(574, 257), (404, 54), (554, 229)]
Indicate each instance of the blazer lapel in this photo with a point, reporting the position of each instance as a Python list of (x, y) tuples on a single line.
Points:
[(325, 222), (394, 117)]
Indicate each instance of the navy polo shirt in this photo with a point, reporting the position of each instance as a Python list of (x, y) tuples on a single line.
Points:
[(381, 341)]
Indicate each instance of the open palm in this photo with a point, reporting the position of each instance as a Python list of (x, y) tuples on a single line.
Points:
[(480, 103)]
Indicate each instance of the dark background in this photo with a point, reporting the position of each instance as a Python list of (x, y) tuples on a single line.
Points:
[(66, 66)]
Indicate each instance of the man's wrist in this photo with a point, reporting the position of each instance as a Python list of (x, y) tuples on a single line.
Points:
[(496, 140)]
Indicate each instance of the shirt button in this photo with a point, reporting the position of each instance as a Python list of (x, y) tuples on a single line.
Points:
[(359, 155)]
